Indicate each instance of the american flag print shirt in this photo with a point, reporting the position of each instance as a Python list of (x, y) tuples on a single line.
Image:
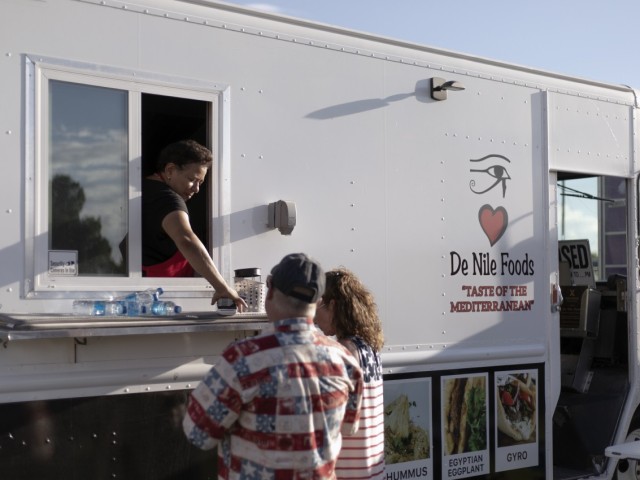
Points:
[(277, 404), (362, 454)]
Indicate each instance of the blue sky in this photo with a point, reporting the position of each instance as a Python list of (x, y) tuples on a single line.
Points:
[(583, 38)]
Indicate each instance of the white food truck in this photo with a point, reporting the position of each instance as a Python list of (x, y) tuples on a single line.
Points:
[(491, 208)]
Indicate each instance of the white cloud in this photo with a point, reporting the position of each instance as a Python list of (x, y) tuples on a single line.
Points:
[(580, 222)]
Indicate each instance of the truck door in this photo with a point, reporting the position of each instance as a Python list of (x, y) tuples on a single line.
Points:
[(590, 194)]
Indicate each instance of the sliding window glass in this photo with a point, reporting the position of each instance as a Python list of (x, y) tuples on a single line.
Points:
[(88, 179)]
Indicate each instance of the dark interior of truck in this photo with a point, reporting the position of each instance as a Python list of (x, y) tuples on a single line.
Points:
[(593, 330)]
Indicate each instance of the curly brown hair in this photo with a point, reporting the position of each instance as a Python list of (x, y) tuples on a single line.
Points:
[(355, 311)]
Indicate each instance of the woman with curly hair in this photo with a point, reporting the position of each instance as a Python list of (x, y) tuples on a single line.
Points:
[(347, 310)]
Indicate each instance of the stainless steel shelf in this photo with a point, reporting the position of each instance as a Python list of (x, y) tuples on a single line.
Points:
[(33, 327)]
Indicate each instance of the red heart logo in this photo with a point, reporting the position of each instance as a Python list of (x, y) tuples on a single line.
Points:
[(493, 222)]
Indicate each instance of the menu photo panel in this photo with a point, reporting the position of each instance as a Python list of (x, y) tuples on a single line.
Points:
[(408, 428), (465, 433), (516, 411)]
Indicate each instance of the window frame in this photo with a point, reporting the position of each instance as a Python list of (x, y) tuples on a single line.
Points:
[(39, 72)]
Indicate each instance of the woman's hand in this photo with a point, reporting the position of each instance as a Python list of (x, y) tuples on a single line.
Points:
[(241, 305), (177, 226)]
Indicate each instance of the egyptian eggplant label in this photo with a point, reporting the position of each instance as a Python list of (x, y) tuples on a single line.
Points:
[(465, 433)]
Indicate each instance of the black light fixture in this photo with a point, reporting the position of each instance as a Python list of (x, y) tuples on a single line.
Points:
[(439, 87)]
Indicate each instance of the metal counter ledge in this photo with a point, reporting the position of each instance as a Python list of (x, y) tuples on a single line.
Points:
[(33, 326)]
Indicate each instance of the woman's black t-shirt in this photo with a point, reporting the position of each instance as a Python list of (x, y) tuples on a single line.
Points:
[(158, 200)]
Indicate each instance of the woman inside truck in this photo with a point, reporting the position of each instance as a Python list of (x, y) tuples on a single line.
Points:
[(347, 310), (170, 248)]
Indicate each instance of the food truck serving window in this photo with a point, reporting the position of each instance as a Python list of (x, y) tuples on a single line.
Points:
[(94, 138)]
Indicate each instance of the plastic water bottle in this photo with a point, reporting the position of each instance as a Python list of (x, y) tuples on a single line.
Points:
[(155, 293), (139, 303), (98, 308), (164, 308), (143, 297), (135, 309)]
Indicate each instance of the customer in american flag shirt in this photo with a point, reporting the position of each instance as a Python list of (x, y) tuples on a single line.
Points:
[(347, 310), (278, 404)]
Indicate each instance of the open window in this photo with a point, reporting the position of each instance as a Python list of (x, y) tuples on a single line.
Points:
[(592, 227), (95, 135), (166, 120), (595, 208)]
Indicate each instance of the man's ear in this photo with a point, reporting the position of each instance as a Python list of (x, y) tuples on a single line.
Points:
[(269, 294), (170, 168)]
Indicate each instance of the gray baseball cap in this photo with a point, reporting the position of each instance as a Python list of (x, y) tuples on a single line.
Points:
[(299, 276)]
